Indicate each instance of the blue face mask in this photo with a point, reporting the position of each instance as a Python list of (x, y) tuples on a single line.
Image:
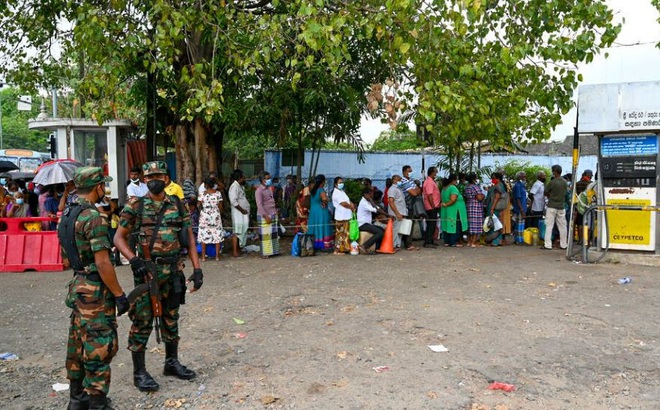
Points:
[(340, 186), (19, 201), (3, 181), (268, 182)]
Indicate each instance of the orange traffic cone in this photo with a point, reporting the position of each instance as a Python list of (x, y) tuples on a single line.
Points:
[(387, 244)]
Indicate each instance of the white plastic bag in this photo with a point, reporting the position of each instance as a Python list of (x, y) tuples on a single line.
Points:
[(497, 224), (488, 224)]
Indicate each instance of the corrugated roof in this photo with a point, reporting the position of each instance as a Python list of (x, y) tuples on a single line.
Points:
[(588, 146)]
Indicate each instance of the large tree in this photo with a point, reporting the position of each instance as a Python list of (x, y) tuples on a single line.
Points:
[(467, 69)]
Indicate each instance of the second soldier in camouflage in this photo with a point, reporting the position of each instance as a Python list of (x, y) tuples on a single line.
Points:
[(164, 248)]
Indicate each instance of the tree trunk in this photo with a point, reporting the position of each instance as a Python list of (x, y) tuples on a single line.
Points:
[(183, 168), (215, 151), (199, 130), (151, 116), (300, 158)]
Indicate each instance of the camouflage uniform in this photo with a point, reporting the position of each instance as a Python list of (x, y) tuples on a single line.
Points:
[(166, 248), (93, 331)]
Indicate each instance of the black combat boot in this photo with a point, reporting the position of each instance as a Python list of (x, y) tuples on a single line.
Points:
[(78, 399), (99, 402), (172, 365), (141, 378)]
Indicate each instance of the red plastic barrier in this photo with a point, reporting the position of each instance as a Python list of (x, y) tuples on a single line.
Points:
[(22, 250)]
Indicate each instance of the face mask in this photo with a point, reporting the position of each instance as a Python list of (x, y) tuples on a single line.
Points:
[(268, 182), (135, 181), (3, 181), (399, 183), (156, 186), (340, 186), (19, 201), (494, 181)]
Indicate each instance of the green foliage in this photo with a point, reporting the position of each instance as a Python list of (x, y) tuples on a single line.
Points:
[(15, 132), (353, 189), (249, 146), (396, 141), (512, 167)]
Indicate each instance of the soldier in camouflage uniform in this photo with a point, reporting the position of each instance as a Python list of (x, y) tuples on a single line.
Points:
[(141, 215), (94, 294)]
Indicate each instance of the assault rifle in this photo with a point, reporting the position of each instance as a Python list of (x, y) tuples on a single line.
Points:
[(152, 287)]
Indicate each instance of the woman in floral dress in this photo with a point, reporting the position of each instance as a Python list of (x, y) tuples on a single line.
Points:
[(210, 221)]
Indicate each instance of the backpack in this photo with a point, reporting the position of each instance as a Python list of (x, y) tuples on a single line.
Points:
[(66, 233)]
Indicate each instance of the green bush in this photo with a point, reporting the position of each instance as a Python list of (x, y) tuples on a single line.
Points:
[(353, 189)]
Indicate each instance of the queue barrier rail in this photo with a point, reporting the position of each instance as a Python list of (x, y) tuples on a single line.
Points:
[(24, 246)]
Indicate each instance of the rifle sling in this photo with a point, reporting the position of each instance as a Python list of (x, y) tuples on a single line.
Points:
[(159, 221)]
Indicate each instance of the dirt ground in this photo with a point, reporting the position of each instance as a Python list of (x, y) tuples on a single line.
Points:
[(566, 335)]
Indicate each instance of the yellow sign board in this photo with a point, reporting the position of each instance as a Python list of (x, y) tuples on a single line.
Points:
[(629, 227)]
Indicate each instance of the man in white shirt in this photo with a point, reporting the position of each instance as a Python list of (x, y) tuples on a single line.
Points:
[(365, 212), (240, 207), (397, 208), (536, 195), (136, 188)]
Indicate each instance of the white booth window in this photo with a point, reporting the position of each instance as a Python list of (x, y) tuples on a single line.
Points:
[(91, 147)]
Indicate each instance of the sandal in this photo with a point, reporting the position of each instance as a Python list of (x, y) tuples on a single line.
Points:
[(412, 248)]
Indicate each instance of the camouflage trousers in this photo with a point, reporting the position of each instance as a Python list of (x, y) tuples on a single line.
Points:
[(92, 334), (141, 315)]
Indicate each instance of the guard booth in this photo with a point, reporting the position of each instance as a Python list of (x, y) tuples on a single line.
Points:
[(626, 118), (92, 144)]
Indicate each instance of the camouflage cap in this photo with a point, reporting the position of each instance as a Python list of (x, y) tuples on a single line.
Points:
[(84, 177), (154, 167)]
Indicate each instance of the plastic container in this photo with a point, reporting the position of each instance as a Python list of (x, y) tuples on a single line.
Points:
[(625, 280), (531, 236), (405, 226), (355, 250)]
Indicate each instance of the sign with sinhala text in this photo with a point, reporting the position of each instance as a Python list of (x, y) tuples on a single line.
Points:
[(639, 119)]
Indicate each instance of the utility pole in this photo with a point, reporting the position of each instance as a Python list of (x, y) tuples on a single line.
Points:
[(1, 85)]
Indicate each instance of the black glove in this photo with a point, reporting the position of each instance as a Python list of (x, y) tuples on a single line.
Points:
[(122, 304), (197, 278), (139, 267)]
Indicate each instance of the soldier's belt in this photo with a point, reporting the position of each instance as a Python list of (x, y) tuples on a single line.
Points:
[(166, 260), (95, 276)]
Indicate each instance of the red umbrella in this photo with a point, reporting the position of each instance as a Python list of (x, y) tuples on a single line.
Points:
[(48, 163)]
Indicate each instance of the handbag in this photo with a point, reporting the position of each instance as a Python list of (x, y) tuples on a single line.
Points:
[(503, 202), (353, 228), (418, 207)]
